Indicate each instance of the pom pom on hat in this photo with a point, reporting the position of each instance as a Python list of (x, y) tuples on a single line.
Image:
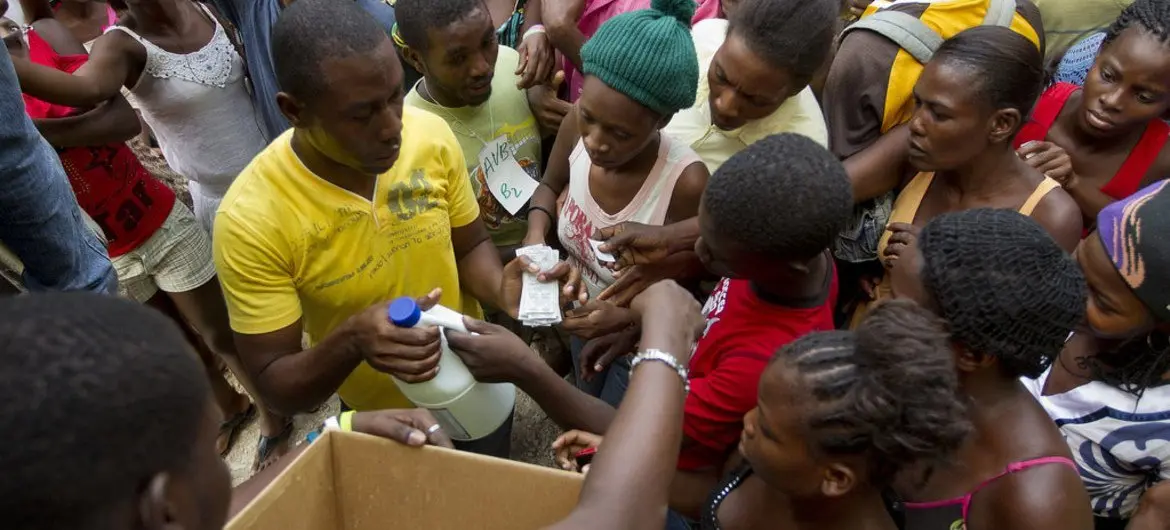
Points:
[(648, 55)]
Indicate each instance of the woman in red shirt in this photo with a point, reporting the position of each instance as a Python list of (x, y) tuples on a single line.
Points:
[(161, 254), (1106, 141)]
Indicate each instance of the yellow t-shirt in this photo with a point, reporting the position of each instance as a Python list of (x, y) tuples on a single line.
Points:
[(290, 245)]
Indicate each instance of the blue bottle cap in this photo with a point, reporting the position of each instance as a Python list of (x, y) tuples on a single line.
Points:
[(404, 312)]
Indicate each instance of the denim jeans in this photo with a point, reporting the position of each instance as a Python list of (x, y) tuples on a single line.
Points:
[(40, 220)]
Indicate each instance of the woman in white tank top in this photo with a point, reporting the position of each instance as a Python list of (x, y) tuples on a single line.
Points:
[(614, 165), (185, 77)]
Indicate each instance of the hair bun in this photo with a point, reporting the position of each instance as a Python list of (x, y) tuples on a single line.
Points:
[(681, 10)]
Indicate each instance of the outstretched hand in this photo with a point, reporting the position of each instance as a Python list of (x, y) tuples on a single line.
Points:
[(597, 318), (635, 243), (570, 443), (631, 281), (569, 277), (549, 109), (491, 353), (414, 427), (1051, 160), (599, 353), (409, 354), (536, 60), (902, 235)]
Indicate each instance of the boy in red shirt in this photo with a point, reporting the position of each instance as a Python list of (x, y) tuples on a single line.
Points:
[(766, 221)]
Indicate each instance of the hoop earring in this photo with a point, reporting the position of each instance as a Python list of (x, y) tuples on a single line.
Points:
[(1158, 342)]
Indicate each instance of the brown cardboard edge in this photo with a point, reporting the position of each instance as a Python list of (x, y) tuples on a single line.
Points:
[(319, 454)]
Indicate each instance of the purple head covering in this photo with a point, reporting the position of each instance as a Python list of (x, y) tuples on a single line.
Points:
[(1136, 235)]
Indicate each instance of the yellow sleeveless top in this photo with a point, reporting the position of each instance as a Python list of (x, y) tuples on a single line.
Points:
[(906, 209)]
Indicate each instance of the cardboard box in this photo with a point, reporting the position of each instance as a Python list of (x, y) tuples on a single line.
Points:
[(348, 481)]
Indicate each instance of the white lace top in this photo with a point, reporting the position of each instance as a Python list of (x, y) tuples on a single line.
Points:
[(199, 108)]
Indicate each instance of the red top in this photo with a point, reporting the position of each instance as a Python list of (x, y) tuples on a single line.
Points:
[(1129, 177), (111, 185), (743, 333)]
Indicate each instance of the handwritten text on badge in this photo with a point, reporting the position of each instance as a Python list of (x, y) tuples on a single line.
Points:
[(507, 181)]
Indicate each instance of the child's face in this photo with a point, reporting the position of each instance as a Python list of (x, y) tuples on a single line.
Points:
[(13, 36)]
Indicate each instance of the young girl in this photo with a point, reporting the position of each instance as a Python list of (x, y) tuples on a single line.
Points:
[(955, 153), (162, 256), (188, 82), (1106, 141), (1108, 389), (833, 425), (614, 163), (1010, 296)]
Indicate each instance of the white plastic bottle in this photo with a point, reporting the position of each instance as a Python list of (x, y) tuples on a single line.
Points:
[(466, 408)]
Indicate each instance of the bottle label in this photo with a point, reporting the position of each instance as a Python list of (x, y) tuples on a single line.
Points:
[(450, 425)]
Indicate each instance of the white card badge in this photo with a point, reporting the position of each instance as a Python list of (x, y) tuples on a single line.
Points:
[(507, 181)]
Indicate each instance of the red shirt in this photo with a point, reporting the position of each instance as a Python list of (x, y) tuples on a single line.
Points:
[(743, 333), (110, 183), (1129, 176)]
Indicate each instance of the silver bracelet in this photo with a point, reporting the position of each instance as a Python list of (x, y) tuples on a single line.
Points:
[(670, 360)]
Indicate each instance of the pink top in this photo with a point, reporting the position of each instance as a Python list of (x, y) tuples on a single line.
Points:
[(940, 514), (598, 11)]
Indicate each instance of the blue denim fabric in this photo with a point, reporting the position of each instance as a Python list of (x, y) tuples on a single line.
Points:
[(255, 19), (40, 220)]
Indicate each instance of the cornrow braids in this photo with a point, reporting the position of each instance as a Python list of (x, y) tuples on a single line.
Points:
[(1151, 15), (1003, 285), (858, 383)]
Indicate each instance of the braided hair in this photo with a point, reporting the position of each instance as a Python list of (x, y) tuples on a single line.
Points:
[(1135, 365), (1004, 286), (859, 383), (1151, 15)]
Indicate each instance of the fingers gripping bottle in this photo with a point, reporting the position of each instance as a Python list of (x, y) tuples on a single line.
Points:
[(466, 409)]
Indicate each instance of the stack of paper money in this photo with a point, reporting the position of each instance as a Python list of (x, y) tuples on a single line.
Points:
[(540, 303)]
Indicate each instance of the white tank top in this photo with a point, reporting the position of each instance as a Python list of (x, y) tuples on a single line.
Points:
[(581, 215), (198, 106)]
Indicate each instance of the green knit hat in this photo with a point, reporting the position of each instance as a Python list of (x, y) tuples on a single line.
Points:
[(648, 56)]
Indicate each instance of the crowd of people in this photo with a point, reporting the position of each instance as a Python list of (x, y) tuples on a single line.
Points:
[(825, 264)]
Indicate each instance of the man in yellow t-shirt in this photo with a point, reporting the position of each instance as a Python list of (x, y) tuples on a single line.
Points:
[(360, 203)]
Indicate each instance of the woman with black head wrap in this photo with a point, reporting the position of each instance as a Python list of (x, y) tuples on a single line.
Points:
[(1010, 296), (1108, 389)]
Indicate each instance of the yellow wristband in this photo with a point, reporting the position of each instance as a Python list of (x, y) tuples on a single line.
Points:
[(345, 421)]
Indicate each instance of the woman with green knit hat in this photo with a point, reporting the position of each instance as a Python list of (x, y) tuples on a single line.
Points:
[(613, 164)]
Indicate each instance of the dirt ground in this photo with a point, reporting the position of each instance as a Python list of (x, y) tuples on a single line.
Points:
[(532, 436)]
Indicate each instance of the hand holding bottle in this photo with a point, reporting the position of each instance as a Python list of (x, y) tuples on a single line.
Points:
[(409, 354)]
